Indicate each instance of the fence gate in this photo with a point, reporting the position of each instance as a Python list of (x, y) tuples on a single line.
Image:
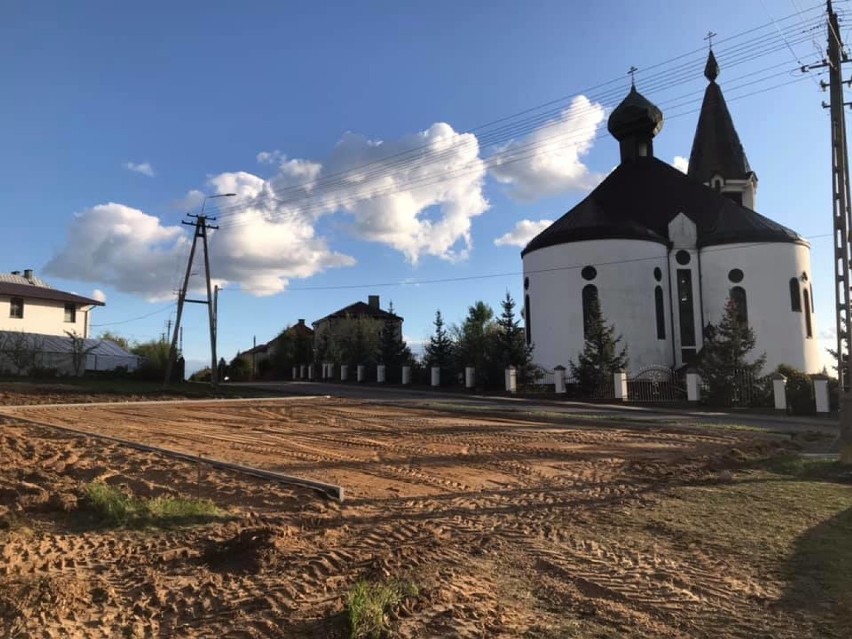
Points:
[(655, 384)]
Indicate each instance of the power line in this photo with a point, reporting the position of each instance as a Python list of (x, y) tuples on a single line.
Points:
[(134, 319), (743, 53)]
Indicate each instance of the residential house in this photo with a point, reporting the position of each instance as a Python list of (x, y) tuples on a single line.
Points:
[(335, 333)]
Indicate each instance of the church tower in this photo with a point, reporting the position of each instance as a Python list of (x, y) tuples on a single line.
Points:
[(717, 158)]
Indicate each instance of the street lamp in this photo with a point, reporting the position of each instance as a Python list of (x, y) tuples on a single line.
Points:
[(210, 197)]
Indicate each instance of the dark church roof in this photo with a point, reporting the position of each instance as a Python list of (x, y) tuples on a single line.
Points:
[(635, 116), (639, 199), (716, 148)]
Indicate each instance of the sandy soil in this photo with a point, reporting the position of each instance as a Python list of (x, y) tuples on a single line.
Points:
[(501, 522)]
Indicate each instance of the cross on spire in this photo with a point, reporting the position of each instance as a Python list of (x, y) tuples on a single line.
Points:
[(709, 37), (632, 72)]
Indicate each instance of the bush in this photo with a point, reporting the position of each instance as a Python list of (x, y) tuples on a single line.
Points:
[(800, 391)]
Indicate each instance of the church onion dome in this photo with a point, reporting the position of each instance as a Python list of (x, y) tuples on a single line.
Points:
[(636, 116), (716, 149), (639, 199)]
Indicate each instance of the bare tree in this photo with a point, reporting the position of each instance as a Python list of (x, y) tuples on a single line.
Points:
[(79, 351)]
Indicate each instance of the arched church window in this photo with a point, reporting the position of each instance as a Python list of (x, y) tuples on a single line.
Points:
[(809, 329), (738, 295), (590, 298), (526, 283), (660, 309), (812, 298), (795, 297), (527, 320), (658, 273)]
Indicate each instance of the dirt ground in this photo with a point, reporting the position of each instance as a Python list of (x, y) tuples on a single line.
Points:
[(507, 526)]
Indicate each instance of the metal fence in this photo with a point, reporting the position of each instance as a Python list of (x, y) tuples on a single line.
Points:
[(656, 384)]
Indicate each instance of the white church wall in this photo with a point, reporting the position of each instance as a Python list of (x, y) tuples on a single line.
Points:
[(625, 282), (767, 270)]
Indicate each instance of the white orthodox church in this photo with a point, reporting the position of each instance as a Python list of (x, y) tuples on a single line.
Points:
[(663, 251)]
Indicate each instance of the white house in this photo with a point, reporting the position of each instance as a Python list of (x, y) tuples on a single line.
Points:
[(29, 305), (663, 251)]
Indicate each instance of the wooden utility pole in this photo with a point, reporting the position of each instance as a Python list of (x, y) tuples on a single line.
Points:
[(201, 225)]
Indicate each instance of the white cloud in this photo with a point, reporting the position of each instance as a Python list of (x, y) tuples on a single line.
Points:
[(99, 295), (134, 252), (524, 231), (269, 157), (267, 234), (549, 160), (144, 168), (681, 163)]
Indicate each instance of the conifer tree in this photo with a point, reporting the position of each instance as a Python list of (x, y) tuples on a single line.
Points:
[(601, 356), (510, 342), (439, 350), (393, 351), (724, 356)]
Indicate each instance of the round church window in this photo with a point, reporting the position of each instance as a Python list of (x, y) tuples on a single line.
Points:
[(735, 275), (683, 257), (589, 273), (658, 274), (526, 283)]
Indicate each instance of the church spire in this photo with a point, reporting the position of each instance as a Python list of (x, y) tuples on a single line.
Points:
[(717, 156), (634, 123)]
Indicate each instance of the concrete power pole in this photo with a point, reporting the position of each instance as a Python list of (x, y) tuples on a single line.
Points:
[(201, 227), (842, 216)]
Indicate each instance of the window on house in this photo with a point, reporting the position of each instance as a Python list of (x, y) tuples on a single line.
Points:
[(71, 313), (685, 307), (660, 308), (590, 297), (527, 321), (738, 295), (808, 325), (795, 297), (16, 307)]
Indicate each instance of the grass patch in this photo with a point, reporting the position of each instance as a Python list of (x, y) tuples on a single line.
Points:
[(116, 507), (798, 467), (368, 605)]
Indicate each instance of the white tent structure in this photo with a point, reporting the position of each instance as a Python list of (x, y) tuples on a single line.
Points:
[(20, 352)]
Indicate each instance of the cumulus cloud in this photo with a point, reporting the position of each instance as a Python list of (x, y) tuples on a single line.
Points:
[(99, 295), (134, 252), (524, 231), (144, 168), (268, 232), (681, 163), (549, 160)]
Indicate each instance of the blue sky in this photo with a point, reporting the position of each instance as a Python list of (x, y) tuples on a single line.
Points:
[(117, 118)]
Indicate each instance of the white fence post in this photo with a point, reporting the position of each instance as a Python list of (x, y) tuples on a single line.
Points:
[(360, 372), (295, 373), (436, 376), (559, 380), (302, 371), (779, 390), (511, 380), (693, 387), (311, 372), (344, 372), (469, 376), (380, 373), (821, 393), (406, 375), (619, 380)]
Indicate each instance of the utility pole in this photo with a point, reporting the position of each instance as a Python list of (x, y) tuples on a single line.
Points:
[(842, 216), (201, 225)]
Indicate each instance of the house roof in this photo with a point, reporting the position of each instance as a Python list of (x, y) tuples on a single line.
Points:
[(716, 148), (301, 329), (639, 199), (359, 309), (31, 291), (61, 344)]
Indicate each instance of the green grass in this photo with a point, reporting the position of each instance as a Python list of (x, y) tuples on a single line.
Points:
[(369, 603), (115, 507)]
